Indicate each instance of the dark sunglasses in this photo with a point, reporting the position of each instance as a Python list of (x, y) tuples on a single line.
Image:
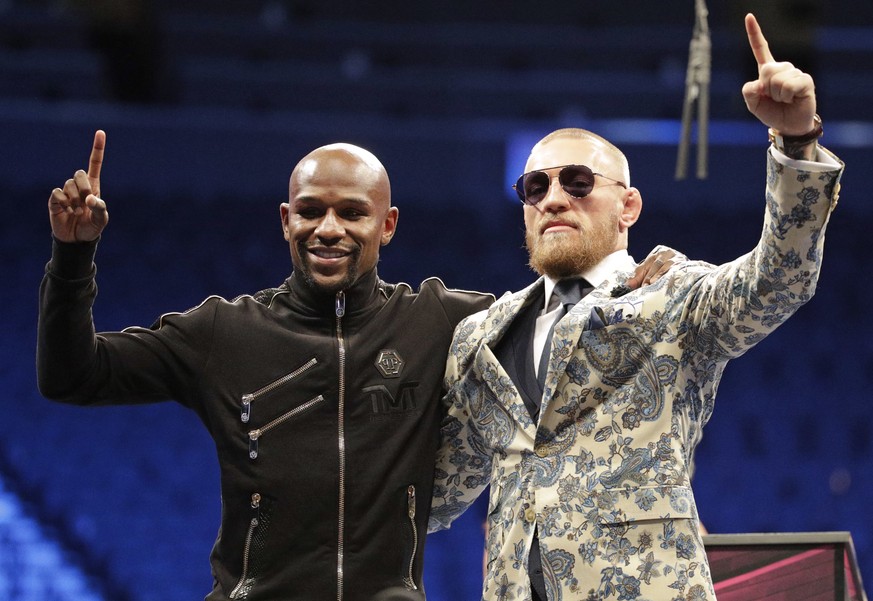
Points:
[(576, 180)]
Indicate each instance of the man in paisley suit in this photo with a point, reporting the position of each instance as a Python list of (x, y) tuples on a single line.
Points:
[(588, 453)]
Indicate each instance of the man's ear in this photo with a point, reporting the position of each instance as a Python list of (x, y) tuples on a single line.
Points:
[(632, 205), (390, 225), (284, 210)]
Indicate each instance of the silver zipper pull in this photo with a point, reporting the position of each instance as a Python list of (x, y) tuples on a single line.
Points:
[(408, 580), (340, 303), (246, 408), (256, 505), (253, 444), (410, 500)]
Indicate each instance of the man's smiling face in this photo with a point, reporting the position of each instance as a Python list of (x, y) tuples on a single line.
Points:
[(337, 217)]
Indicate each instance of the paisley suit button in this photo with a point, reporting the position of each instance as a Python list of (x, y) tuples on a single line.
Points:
[(530, 515), (542, 451)]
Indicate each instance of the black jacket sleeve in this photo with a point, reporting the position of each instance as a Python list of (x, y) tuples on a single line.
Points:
[(77, 365)]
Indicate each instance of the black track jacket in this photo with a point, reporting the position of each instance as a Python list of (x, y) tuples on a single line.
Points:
[(324, 410)]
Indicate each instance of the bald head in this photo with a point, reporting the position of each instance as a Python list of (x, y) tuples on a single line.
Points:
[(337, 216), (343, 164)]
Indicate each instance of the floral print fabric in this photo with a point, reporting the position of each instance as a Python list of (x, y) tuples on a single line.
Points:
[(603, 477)]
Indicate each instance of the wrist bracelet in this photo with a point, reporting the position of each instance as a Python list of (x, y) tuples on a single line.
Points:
[(793, 146)]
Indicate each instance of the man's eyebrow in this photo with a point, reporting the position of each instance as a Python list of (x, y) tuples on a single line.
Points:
[(360, 202)]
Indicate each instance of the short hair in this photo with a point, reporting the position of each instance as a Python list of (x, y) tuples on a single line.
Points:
[(583, 134)]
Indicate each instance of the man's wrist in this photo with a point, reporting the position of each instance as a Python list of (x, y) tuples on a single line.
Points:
[(72, 260), (800, 147)]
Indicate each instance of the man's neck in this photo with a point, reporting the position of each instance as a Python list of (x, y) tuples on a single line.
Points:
[(619, 260)]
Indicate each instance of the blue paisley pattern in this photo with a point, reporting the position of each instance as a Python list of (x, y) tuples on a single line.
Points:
[(604, 475)]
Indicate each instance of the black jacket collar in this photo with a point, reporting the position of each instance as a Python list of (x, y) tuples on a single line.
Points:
[(365, 294)]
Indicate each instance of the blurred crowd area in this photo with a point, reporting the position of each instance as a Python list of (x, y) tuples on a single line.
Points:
[(208, 105)]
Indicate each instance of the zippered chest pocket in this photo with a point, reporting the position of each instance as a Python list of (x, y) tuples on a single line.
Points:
[(255, 435), (249, 399)]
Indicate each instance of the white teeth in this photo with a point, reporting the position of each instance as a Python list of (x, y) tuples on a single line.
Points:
[(328, 254)]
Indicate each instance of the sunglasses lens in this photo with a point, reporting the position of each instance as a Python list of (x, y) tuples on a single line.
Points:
[(532, 187), (577, 180)]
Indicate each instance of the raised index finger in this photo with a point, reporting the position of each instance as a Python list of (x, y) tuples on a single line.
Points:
[(95, 163), (757, 41)]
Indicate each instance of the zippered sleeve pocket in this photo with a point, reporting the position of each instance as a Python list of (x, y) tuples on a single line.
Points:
[(251, 397), (255, 435)]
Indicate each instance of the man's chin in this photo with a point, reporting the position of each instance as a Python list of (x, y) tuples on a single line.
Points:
[(558, 261), (567, 253), (330, 283)]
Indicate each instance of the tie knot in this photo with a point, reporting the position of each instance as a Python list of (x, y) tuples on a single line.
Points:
[(568, 292)]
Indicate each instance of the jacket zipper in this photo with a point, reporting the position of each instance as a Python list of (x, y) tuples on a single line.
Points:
[(256, 504), (341, 442), (255, 434), (247, 399), (409, 581)]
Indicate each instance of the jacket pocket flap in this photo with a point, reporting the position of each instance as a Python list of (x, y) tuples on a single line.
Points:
[(617, 506)]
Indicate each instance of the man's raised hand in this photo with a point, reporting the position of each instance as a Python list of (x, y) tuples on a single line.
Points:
[(783, 96), (77, 213)]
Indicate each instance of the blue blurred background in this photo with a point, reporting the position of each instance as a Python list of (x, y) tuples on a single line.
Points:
[(208, 106)]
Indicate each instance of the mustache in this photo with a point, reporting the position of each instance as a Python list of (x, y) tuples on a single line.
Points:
[(550, 221)]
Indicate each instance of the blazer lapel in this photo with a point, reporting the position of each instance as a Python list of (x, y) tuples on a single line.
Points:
[(502, 313), (498, 321), (592, 312)]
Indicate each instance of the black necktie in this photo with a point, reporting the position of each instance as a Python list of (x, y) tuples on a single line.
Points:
[(567, 292)]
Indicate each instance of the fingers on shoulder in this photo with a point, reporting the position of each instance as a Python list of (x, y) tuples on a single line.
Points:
[(662, 263)]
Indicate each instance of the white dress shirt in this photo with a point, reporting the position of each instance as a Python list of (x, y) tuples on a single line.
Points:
[(620, 260)]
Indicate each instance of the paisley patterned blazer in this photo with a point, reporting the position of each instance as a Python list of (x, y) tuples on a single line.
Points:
[(604, 473)]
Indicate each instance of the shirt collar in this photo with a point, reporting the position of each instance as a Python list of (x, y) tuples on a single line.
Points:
[(619, 260)]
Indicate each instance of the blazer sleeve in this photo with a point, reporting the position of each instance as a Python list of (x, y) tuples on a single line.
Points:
[(463, 464), (726, 310)]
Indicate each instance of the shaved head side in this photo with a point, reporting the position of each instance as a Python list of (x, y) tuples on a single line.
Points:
[(369, 167), (575, 133)]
